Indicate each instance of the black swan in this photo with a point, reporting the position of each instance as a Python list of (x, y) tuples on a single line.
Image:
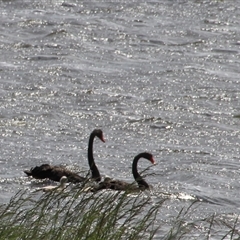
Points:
[(56, 172), (121, 185)]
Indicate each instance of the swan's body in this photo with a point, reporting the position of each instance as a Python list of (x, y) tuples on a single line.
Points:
[(59, 188), (123, 186), (55, 173), (39, 172)]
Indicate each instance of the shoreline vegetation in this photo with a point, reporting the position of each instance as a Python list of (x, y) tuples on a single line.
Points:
[(75, 214)]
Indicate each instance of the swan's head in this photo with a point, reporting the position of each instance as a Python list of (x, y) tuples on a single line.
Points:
[(149, 157), (99, 134)]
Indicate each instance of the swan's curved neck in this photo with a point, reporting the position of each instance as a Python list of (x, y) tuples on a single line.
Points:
[(140, 181), (95, 173)]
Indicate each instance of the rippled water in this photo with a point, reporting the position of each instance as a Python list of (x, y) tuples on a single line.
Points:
[(161, 77)]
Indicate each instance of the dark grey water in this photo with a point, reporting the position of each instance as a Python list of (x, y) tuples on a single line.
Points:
[(160, 76)]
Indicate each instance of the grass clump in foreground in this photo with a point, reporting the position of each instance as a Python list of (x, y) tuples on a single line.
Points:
[(77, 215)]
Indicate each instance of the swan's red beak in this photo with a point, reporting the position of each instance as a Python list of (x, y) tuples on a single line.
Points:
[(102, 139), (152, 161)]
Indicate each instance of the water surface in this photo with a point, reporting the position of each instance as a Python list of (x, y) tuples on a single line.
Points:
[(161, 77)]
